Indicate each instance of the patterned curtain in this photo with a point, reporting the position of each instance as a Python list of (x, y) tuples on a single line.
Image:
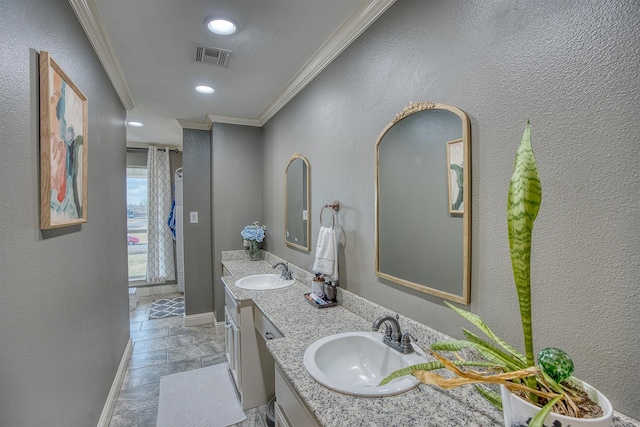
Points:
[(160, 261)]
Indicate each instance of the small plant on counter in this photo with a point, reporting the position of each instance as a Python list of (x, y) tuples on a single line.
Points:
[(543, 385), (254, 234)]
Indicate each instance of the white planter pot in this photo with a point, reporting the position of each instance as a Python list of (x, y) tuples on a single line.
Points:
[(517, 412)]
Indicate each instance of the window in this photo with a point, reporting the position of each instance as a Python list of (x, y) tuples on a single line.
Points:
[(137, 222)]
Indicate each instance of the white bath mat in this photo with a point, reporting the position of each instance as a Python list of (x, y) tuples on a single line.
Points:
[(199, 398)]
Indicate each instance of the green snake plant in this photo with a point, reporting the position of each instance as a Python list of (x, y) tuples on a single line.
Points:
[(525, 196), (502, 363)]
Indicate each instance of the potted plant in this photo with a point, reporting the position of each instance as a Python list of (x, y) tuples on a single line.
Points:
[(254, 235), (530, 394)]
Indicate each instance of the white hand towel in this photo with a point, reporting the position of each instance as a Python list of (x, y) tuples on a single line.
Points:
[(327, 253)]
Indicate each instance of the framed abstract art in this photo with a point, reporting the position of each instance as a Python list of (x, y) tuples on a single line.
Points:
[(63, 148)]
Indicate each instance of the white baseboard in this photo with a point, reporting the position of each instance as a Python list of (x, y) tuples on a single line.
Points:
[(107, 411), (219, 327), (198, 319), (145, 291)]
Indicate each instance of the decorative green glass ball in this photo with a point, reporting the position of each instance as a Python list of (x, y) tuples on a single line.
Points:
[(555, 363)]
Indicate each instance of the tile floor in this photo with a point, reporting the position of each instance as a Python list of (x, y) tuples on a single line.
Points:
[(164, 347)]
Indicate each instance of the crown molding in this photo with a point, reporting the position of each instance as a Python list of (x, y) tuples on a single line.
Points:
[(89, 17), (362, 17), (231, 120), (210, 119), (188, 124)]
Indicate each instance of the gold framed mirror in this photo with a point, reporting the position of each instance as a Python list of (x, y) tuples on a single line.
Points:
[(296, 203), (423, 201)]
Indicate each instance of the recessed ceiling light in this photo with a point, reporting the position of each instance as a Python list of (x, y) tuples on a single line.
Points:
[(204, 89), (222, 26), (135, 124)]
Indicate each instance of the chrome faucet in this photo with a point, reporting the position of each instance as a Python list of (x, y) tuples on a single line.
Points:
[(393, 336), (286, 274)]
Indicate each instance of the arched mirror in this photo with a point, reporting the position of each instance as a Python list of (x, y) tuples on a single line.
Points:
[(296, 203), (423, 210)]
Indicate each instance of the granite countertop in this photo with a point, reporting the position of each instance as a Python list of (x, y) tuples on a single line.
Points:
[(302, 324)]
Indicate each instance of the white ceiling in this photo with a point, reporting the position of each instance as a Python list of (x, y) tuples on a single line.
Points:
[(281, 46)]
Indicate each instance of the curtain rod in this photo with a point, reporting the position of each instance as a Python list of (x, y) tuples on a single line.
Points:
[(175, 150)]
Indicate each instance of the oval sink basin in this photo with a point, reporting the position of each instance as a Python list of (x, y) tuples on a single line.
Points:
[(355, 362), (263, 282)]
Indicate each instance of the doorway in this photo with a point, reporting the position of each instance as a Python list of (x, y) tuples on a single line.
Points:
[(137, 223)]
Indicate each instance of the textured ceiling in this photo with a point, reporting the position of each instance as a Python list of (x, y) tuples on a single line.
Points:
[(152, 40)]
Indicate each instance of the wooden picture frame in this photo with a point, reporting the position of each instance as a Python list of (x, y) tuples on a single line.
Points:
[(455, 176), (63, 148)]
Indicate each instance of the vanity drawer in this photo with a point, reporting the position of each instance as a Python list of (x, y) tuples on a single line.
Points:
[(264, 327), (291, 409)]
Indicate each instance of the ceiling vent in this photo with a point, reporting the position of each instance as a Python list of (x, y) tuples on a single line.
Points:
[(210, 55)]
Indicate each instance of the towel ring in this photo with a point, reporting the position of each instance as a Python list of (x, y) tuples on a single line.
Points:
[(335, 207)]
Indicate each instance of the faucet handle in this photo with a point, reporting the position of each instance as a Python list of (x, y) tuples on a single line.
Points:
[(407, 337), (406, 341)]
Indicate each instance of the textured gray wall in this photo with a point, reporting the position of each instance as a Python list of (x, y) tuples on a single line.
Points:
[(64, 320), (571, 67), (237, 194), (196, 184)]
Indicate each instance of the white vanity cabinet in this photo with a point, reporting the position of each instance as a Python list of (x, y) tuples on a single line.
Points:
[(290, 410), (251, 364), (232, 342)]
